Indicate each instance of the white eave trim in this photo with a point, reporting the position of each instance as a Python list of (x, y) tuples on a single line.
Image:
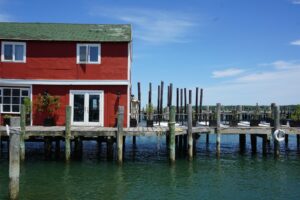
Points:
[(62, 82)]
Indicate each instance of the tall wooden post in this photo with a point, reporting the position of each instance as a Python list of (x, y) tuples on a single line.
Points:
[(196, 100), (189, 132), (276, 126), (14, 160), (242, 137), (161, 99), (150, 94), (120, 134), (264, 144), (253, 139), (190, 96), (68, 134), (22, 136), (200, 104), (177, 104), (158, 104), (172, 135), (171, 94), (181, 106), (218, 137), (139, 98)]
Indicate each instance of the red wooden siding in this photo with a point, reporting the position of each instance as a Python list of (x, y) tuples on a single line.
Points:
[(110, 101), (57, 60)]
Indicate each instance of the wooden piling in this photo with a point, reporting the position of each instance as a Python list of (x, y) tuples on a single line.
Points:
[(22, 132), (57, 147), (190, 96), (286, 140), (68, 134), (276, 126), (158, 104), (14, 163), (298, 141), (110, 148), (218, 136), (200, 104), (264, 144), (150, 94), (172, 135), (161, 99), (47, 147), (139, 98), (120, 134), (196, 101), (253, 143), (177, 104), (189, 132), (171, 94), (181, 106), (242, 141)]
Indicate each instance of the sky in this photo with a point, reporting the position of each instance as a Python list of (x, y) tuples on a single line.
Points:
[(238, 51)]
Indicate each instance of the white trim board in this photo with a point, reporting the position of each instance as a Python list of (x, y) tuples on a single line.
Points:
[(62, 82)]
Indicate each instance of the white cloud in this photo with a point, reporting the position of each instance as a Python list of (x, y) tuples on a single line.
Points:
[(154, 26), (5, 18), (277, 85), (227, 73), (296, 42), (295, 1), (282, 65)]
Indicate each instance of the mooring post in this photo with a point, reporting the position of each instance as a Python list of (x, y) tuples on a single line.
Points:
[(253, 143), (242, 137), (286, 140), (218, 137), (172, 135), (14, 160), (57, 147), (47, 147), (110, 148), (68, 134), (298, 141), (276, 126), (264, 144), (120, 134), (189, 132), (22, 132)]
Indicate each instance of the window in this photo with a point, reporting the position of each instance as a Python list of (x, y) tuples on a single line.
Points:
[(12, 98), (13, 52), (88, 53)]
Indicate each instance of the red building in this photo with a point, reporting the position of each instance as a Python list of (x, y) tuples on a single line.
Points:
[(87, 66)]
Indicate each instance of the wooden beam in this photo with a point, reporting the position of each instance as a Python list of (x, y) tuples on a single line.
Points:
[(68, 134), (172, 150), (218, 137), (189, 132), (120, 134), (22, 136)]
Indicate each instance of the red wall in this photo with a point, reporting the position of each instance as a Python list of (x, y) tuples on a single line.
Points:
[(110, 102), (57, 60)]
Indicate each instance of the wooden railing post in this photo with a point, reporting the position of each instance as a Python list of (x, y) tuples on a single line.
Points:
[(218, 137), (14, 160), (68, 134), (22, 132), (189, 132), (120, 134), (172, 135)]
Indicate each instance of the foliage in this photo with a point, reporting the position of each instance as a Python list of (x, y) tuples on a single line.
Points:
[(296, 114), (6, 116), (47, 103), (27, 104)]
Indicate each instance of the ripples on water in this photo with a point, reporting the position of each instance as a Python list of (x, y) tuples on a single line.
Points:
[(146, 173)]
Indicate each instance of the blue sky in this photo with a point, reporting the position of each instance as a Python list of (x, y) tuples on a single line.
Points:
[(239, 51)]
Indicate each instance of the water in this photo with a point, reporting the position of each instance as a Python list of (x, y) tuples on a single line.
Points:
[(146, 174)]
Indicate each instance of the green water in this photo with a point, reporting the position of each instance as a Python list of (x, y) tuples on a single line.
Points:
[(146, 174)]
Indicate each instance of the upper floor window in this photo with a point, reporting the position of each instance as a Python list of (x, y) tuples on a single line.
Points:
[(13, 52), (88, 53)]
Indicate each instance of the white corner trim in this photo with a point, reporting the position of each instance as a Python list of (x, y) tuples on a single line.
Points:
[(62, 82)]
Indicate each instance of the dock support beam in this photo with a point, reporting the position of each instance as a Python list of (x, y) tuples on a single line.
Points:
[(22, 126), (276, 126), (68, 134), (189, 132), (14, 160), (120, 134), (264, 144), (172, 135), (253, 143), (218, 136), (242, 140)]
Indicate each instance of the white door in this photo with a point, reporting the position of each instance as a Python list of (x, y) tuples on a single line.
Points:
[(87, 107)]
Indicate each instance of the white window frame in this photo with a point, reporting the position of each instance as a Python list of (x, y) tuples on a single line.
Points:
[(13, 53), (88, 45), (2, 95)]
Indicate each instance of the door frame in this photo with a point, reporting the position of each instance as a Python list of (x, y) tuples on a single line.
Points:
[(101, 107)]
